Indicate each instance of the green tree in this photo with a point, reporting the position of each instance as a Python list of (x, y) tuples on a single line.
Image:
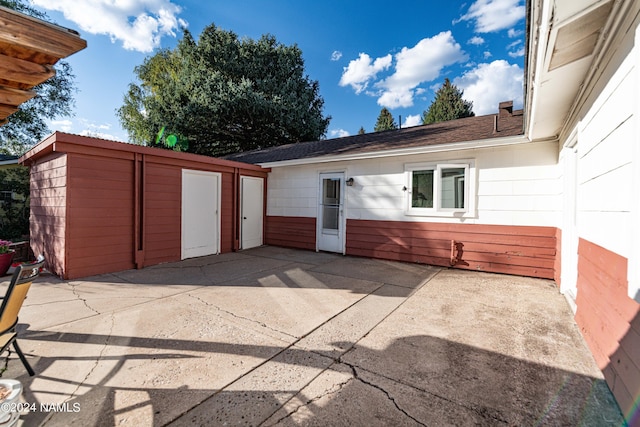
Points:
[(385, 121), (54, 99), (447, 105), (361, 131), (224, 95), (14, 209)]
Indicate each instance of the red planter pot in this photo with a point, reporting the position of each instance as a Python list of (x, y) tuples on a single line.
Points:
[(5, 262)]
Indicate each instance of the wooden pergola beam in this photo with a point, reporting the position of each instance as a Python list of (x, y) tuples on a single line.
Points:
[(13, 96), (29, 48), (26, 72), (36, 35)]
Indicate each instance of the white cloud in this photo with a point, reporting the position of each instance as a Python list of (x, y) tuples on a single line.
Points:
[(489, 84), (412, 121), (513, 33), (514, 44), (139, 25), (487, 54), (336, 55), (360, 71), (338, 133), (63, 125), (517, 53), (476, 40), (421, 63), (494, 15)]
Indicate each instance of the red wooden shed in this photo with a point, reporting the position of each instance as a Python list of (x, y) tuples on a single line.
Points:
[(101, 206)]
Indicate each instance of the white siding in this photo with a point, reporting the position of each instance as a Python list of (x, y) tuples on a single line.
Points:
[(606, 135), (608, 131), (515, 185)]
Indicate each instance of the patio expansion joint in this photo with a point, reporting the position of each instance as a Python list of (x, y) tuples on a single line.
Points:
[(262, 324), (287, 347), (299, 339)]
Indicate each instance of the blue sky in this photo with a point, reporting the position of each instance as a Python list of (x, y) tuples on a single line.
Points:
[(365, 55)]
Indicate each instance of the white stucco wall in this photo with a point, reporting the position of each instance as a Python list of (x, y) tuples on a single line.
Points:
[(515, 185)]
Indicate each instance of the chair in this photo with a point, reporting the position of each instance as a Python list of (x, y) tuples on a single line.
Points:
[(11, 304)]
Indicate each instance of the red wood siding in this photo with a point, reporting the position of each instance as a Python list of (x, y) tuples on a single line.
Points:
[(162, 212), (100, 236), (102, 206), (609, 320), (48, 210), (526, 251), (291, 232)]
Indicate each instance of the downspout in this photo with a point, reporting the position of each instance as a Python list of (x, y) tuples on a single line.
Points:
[(139, 210), (236, 209)]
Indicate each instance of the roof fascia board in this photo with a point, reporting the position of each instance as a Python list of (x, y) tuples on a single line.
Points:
[(455, 146)]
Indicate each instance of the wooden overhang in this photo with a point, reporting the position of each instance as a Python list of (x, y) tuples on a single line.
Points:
[(29, 48)]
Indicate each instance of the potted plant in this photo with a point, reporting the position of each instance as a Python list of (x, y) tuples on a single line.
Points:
[(6, 256)]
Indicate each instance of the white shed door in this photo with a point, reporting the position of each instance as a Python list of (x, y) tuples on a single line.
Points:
[(252, 211), (200, 213)]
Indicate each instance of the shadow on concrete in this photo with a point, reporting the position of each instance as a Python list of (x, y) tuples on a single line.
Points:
[(447, 383)]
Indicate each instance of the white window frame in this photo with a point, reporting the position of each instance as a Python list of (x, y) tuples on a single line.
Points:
[(437, 210)]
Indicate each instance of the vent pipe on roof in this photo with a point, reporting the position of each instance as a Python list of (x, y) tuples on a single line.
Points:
[(495, 124)]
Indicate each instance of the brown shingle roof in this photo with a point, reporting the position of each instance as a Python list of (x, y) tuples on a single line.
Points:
[(460, 130)]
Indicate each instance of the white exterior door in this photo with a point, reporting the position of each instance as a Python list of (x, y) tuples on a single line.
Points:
[(252, 211), (200, 213), (330, 228)]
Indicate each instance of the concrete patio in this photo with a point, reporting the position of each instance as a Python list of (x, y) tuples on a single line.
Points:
[(275, 336)]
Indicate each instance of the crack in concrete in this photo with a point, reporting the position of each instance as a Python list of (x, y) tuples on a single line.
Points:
[(482, 411), (98, 359), (84, 301), (93, 368), (391, 398), (264, 325), (332, 390)]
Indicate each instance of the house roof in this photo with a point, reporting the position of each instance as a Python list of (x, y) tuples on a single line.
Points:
[(29, 48), (8, 159), (506, 123)]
